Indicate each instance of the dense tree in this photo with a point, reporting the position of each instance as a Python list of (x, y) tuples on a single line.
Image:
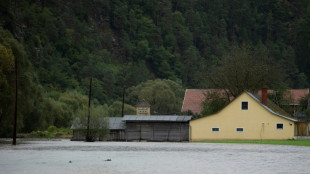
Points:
[(98, 124), (214, 102), (245, 69), (29, 91), (115, 110), (303, 41), (164, 96), (163, 35), (122, 44)]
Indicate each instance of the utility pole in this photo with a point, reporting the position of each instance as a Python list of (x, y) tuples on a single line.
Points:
[(88, 119), (123, 103), (15, 106)]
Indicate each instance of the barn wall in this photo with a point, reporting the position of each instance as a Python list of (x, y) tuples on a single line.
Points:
[(152, 131), (116, 135), (78, 135)]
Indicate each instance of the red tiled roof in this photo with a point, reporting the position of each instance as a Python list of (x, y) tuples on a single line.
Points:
[(194, 98), (269, 91), (293, 96), (297, 94)]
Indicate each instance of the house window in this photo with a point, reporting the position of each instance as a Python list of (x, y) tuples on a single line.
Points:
[(215, 129), (239, 129), (280, 125), (142, 111), (244, 105)]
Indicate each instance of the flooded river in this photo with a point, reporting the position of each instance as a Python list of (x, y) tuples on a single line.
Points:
[(65, 156)]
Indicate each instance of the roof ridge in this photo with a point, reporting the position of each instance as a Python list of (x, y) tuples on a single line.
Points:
[(143, 103)]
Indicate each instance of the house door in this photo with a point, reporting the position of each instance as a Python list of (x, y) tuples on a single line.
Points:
[(301, 129)]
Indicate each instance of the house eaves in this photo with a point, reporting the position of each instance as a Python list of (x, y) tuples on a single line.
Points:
[(270, 110)]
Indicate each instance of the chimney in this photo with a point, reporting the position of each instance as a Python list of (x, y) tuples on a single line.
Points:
[(264, 96)]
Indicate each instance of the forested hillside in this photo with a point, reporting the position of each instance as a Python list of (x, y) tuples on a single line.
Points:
[(121, 44)]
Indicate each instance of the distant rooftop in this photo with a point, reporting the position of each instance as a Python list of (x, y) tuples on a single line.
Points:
[(143, 104), (293, 94), (194, 98)]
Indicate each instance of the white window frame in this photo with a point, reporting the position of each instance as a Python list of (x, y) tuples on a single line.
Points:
[(279, 128), (241, 105), (215, 128), (142, 111), (239, 128)]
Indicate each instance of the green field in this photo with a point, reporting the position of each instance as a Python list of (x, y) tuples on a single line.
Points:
[(275, 142)]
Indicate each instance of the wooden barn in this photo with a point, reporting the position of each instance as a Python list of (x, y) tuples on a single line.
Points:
[(78, 133), (157, 128), (116, 131)]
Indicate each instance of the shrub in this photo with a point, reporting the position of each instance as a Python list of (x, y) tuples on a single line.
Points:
[(52, 129)]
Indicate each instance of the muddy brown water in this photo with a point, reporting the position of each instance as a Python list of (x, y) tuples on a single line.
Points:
[(65, 156)]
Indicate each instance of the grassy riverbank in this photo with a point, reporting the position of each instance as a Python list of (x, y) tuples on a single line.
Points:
[(275, 142)]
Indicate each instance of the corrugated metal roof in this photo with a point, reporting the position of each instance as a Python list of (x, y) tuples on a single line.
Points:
[(157, 118), (116, 123), (187, 119), (73, 127), (181, 118)]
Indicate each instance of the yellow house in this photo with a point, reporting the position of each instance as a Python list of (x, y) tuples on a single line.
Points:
[(245, 118)]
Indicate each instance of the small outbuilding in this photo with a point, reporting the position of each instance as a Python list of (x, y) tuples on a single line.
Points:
[(157, 128), (143, 108), (117, 129), (78, 133)]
